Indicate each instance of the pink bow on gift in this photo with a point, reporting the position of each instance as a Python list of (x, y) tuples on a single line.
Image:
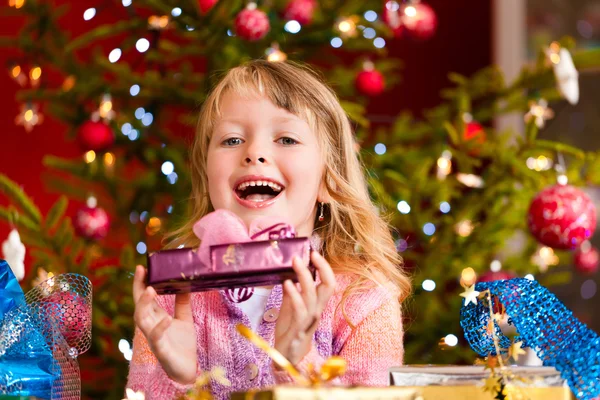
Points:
[(223, 226)]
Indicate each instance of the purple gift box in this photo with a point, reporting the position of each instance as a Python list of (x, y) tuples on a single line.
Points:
[(254, 263)]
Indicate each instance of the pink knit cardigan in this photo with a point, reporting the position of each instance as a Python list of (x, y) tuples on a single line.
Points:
[(370, 348)]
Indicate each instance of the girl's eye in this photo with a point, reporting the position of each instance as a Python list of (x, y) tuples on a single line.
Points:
[(232, 141), (287, 141)]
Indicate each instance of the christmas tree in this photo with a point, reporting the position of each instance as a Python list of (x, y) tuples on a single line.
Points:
[(446, 181)]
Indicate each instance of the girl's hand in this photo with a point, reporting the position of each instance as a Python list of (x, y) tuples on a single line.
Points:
[(172, 340), (301, 309)]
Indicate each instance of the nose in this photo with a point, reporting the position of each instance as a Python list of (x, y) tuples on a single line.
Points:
[(256, 152), (259, 160)]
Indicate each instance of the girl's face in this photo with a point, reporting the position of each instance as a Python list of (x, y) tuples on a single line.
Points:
[(264, 161)]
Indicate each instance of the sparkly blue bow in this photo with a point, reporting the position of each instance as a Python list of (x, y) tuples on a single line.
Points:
[(544, 324)]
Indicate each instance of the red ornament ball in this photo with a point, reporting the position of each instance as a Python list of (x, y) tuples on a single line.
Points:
[(419, 20), (490, 276), (206, 5), (586, 260), (95, 136), (300, 10), (474, 131), (370, 82), (562, 217), (252, 24), (73, 315), (92, 223)]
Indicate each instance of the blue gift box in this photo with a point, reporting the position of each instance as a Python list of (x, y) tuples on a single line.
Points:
[(27, 364)]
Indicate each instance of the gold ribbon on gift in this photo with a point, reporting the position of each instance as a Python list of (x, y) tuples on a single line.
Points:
[(333, 367)]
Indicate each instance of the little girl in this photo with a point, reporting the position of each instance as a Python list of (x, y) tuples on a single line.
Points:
[(273, 141)]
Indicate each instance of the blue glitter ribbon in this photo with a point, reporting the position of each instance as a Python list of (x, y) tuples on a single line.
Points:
[(544, 324)]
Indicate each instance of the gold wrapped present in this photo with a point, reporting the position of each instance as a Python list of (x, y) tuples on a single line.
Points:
[(476, 383), (329, 393)]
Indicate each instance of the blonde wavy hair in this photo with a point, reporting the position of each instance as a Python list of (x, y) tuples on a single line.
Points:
[(356, 240)]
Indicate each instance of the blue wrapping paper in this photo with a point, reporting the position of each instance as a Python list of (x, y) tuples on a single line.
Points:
[(27, 365), (543, 323)]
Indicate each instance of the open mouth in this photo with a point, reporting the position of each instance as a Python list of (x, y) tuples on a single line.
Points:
[(258, 191)]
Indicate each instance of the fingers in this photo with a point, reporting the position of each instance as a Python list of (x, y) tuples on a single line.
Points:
[(159, 330), (327, 286), (297, 307), (138, 283), (147, 311), (183, 307), (307, 284)]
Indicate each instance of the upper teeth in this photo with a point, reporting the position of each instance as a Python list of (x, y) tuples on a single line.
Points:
[(273, 185)]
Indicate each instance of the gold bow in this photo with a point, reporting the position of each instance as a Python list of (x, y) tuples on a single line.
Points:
[(333, 367)]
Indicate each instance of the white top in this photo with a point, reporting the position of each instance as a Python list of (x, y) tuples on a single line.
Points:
[(254, 307)]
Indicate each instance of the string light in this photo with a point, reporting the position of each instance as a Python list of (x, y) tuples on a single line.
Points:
[(109, 159), (142, 45), (16, 72), (428, 285), (554, 50), (468, 277), (336, 42), (370, 15), (445, 207), (89, 156), (89, 14), (292, 26), (106, 107), (429, 229), (140, 112), (141, 247), (403, 207), (380, 149), (153, 226), (464, 228), (379, 43), (28, 117), (470, 180), (167, 167), (539, 112), (544, 257), (134, 90), (274, 54), (158, 23), (34, 75), (444, 165), (495, 266), (126, 3), (369, 33), (347, 26), (176, 12), (114, 55), (540, 163), (68, 83), (16, 3)]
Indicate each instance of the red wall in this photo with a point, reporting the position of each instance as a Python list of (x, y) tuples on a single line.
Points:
[(462, 44)]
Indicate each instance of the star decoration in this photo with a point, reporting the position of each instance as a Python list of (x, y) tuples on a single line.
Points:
[(29, 117), (539, 112), (492, 384), (516, 350), (470, 295)]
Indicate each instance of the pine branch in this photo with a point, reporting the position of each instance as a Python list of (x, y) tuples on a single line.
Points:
[(15, 193)]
